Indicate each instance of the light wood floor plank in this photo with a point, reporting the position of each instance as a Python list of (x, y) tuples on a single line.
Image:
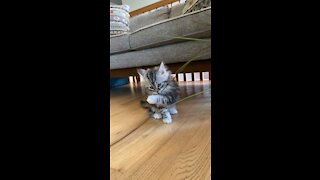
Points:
[(153, 150)]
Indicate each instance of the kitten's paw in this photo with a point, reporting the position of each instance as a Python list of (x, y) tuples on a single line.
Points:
[(167, 120), (173, 111), (157, 116), (152, 99)]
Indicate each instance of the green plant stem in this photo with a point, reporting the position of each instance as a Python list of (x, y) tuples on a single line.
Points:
[(188, 62), (190, 39), (196, 94)]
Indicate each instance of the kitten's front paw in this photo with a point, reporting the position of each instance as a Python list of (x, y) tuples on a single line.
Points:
[(152, 99), (173, 111), (157, 116), (167, 120)]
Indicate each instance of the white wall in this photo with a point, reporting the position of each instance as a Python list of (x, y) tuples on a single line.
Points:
[(137, 4), (119, 2)]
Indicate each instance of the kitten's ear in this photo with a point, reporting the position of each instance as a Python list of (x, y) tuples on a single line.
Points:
[(142, 72), (162, 68)]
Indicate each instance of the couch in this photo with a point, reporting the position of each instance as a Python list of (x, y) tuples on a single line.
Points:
[(162, 35)]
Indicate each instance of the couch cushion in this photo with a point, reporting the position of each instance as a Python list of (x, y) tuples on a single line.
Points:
[(119, 43), (148, 18), (176, 10), (196, 24), (174, 53)]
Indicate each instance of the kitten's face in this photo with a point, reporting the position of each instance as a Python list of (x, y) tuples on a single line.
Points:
[(155, 79)]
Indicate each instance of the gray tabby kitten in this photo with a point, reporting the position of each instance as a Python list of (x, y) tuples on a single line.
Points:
[(163, 92)]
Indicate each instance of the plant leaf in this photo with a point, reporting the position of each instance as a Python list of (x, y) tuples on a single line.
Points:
[(189, 61)]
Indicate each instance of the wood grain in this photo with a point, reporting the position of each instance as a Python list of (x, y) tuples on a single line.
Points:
[(151, 7), (154, 150), (125, 112)]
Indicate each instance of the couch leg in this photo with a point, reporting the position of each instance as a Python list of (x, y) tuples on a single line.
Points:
[(201, 76), (134, 79)]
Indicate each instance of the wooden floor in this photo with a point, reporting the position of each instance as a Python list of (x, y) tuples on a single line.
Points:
[(142, 148)]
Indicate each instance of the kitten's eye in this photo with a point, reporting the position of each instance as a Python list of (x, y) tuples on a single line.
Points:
[(150, 88), (162, 85)]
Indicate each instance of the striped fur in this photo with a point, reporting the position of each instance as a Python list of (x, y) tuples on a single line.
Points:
[(162, 90)]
